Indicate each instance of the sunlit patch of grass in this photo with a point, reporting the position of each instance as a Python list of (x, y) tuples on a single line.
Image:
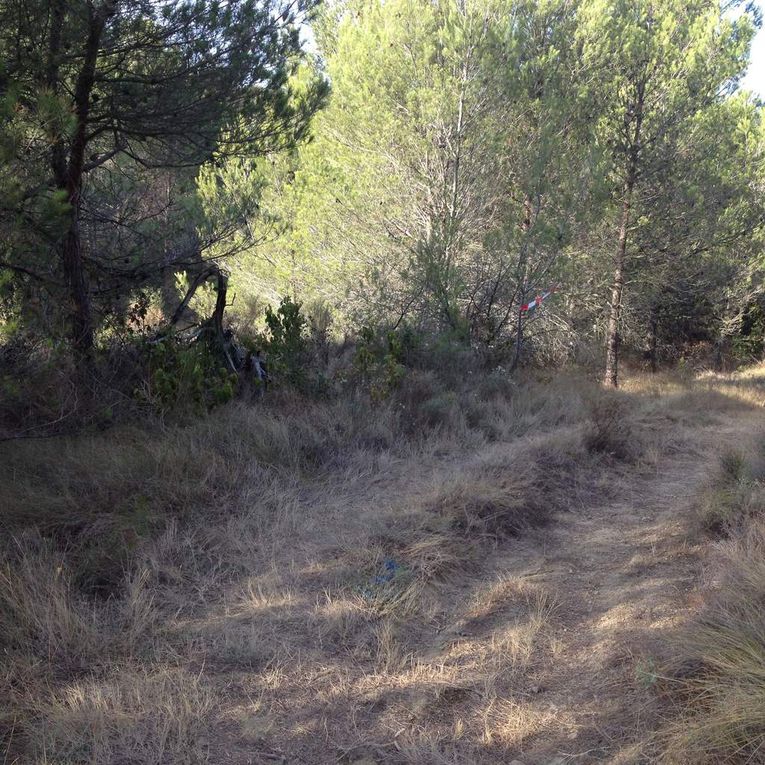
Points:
[(507, 723), (133, 716)]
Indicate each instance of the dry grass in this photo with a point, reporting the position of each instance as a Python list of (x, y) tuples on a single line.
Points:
[(42, 615), (720, 669), (132, 716), (717, 677), (507, 490), (301, 576), (735, 493)]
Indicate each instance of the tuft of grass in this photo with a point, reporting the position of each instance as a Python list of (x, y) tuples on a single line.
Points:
[(441, 411), (438, 556), (42, 616), (512, 491), (720, 670), (491, 501), (610, 431), (133, 716), (735, 494)]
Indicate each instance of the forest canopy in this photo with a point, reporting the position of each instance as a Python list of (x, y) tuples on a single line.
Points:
[(530, 182)]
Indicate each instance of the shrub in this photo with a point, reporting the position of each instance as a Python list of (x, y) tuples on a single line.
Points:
[(378, 362), (735, 494), (415, 389), (285, 343), (36, 386), (441, 411), (184, 378), (320, 320), (452, 359), (489, 417), (496, 384), (610, 431)]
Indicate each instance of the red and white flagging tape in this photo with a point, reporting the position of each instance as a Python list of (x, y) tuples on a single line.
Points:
[(528, 307)]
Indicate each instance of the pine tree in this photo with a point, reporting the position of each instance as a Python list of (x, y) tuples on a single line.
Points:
[(146, 85), (653, 67)]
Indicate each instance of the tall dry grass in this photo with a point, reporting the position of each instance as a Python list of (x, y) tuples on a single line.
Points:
[(720, 671), (717, 678), (299, 574)]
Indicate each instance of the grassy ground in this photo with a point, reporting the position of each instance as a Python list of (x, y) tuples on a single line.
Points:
[(406, 581)]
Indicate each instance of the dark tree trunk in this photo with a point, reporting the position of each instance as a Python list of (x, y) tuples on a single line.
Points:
[(719, 354), (617, 287), (74, 270), (212, 329), (523, 274), (73, 262), (221, 290), (68, 175)]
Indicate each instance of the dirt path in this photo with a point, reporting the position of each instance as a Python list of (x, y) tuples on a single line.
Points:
[(624, 575), (478, 678)]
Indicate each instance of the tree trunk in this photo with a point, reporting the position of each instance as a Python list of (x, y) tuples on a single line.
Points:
[(653, 341), (74, 270), (523, 275), (633, 122), (69, 177), (719, 354), (612, 347), (212, 328), (518, 337)]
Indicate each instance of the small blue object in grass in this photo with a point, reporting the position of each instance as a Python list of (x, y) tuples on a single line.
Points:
[(390, 568)]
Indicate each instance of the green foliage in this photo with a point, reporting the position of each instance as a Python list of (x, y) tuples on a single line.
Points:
[(471, 155), (662, 114), (130, 188), (379, 359), (286, 344), (748, 345), (184, 378), (365, 356), (464, 162)]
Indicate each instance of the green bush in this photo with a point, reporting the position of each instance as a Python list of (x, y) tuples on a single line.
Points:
[(285, 343), (452, 359), (379, 360), (184, 378)]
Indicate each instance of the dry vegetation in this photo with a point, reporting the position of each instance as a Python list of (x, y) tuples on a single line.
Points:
[(718, 673), (328, 581)]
